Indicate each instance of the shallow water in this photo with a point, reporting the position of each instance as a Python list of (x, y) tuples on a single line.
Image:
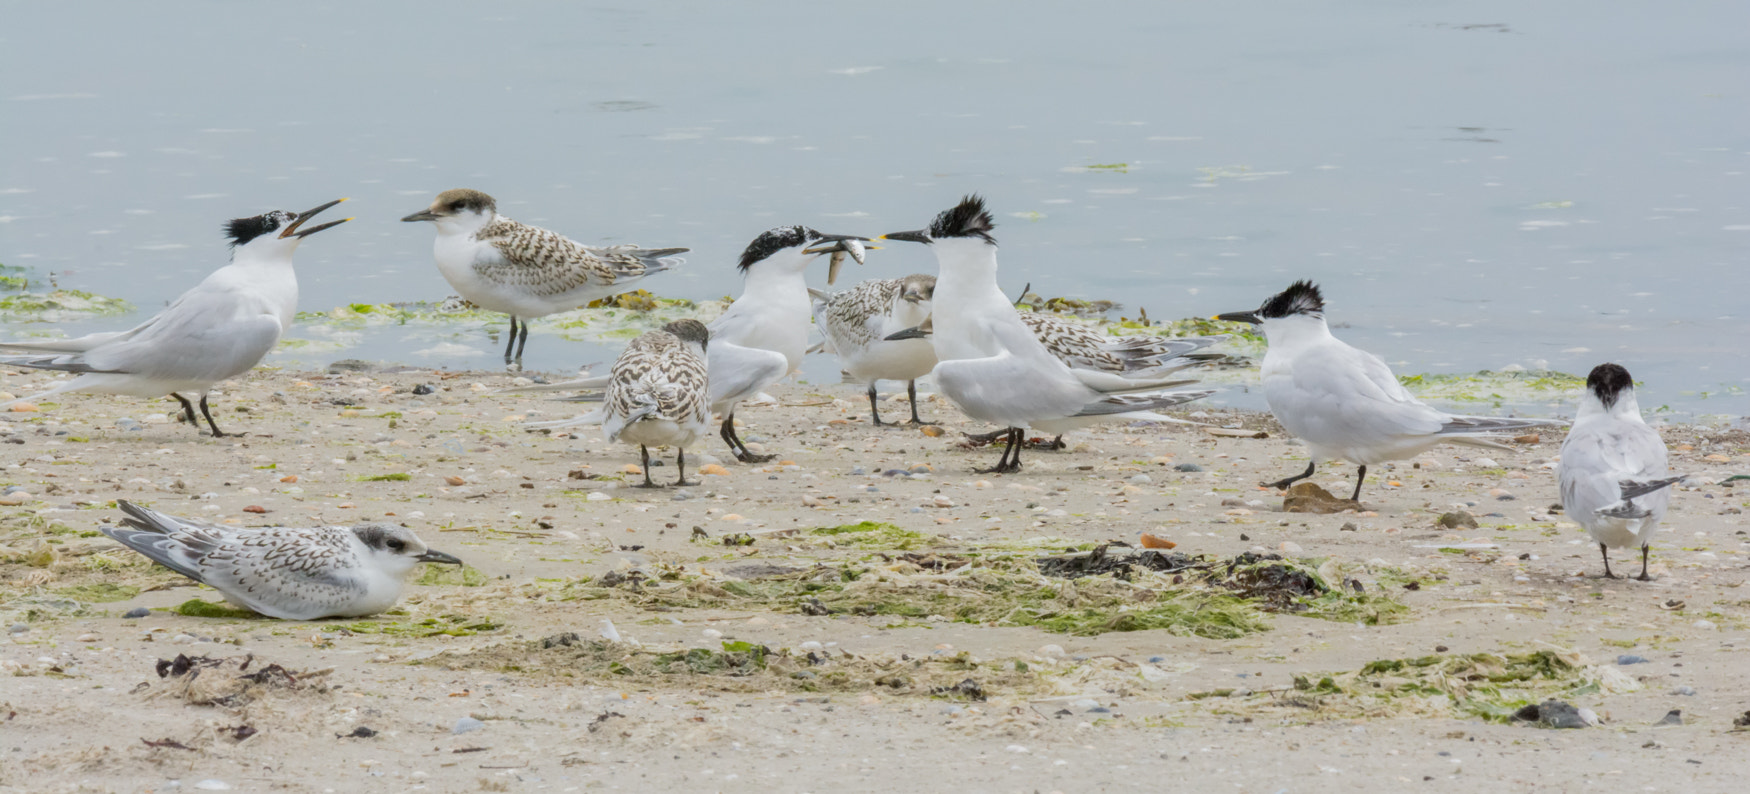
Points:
[(1475, 185)]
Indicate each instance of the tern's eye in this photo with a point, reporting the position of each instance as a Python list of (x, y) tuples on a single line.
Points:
[(396, 544), (456, 206)]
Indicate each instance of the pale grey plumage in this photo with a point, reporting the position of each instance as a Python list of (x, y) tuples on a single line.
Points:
[(1613, 472), (282, 572)]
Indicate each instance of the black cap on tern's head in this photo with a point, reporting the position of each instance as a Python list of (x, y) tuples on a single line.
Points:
[(917, 287), (690, 331), (455, 202), (774, 240), (244, 230), (1607, 382), (969, 218), (1301, 297)]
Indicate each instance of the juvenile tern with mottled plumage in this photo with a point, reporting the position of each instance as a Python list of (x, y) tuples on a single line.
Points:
[(292, 573), (1613, 474), (856, 323), (658, 395), (525, 271), (218, 330), (992, 365), (1344, 403)]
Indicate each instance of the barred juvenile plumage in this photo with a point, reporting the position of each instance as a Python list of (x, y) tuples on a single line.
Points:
[(658, 393), (855, 324), (1082, 347), (525, 271), (294, 573)]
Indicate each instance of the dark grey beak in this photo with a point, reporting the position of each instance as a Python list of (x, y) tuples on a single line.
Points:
[(1240, 317), (918, 332), (438, 556), (919, 236), (422, 215), (292, 230)]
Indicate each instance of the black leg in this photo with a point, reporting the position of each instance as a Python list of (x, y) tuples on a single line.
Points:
[(522, 341), (1644, 576), (1011, 460), (1284, 483), (510, 343), (210, 423), (1360, 476), (188, 411), (736, 446), (680, 463), (1605, 550), (1056, 443), (911, 391), (644, 458), (874, 409)]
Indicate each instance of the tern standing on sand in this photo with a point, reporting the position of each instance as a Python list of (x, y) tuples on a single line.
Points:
[(657, 394), (219, 329), (1344, 403), (991, 364), (1613, 473), (525, 271), (857, 322)]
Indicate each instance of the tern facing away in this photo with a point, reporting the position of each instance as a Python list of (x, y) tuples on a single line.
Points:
[(657, 394), (218, 330), (1344, 402), (990, 362), (1613, 474), (856, 323), (525, 271), (282, 572)]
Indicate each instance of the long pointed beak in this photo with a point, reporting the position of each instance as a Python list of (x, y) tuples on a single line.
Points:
[(1240, 317), (292, 230), (422, 215), (438, 556), (919, 236)]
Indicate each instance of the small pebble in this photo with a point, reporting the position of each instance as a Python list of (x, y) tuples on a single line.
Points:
[(87, 638), (137, 612), (1140, 479), (1187, 467), (1626, 659), (18, 628), (467, 724), (213, 784), (1683, 690), (1289, 547), (597, 496)]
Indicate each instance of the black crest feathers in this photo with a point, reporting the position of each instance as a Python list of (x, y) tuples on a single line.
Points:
[(1608, 382), (969, 218), (1301, 297), (774, 240), (242, 230)]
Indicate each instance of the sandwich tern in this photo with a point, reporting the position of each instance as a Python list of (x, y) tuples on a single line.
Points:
[(991, 364), (657, 394), (219, 329), (857, 322), (525, 271), (283, 572), (1344, 402), (1613, 474)]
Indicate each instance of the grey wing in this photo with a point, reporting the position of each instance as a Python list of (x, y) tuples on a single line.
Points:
[(290, 573), (204, 335), (76, 345), (1010, 390), (738, 373), (175, 543)]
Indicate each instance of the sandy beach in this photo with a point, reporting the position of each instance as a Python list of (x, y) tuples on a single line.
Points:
[(862, 613)]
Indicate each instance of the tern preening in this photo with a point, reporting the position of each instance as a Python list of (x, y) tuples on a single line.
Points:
[(1344, 402), (293, 573), (218, 330), (990, 362), (525, 271), (1613, 474)]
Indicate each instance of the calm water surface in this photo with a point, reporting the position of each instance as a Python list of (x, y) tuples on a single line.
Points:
[(1475, 184)]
